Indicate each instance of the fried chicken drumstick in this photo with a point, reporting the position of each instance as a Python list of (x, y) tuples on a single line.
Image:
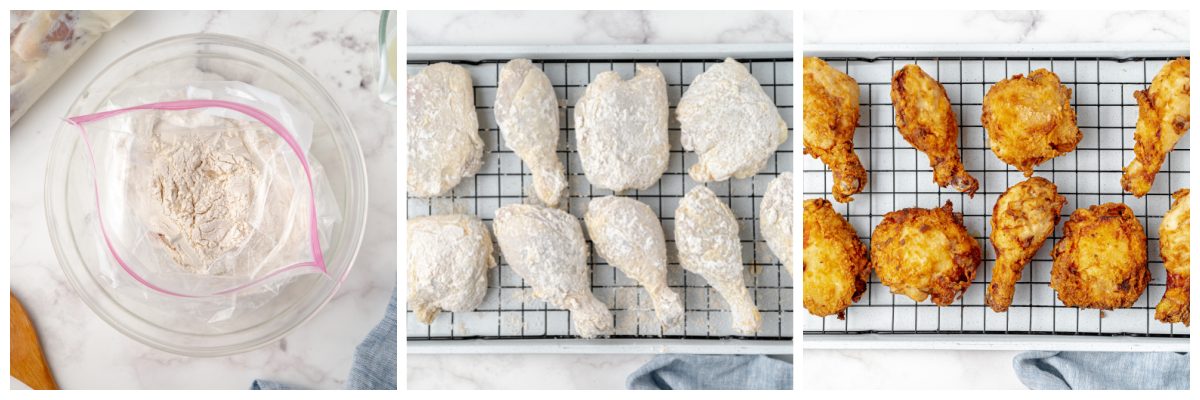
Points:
[(926, 121), (1164, 115), (1023, 217), (1174, 236), (830, 117)]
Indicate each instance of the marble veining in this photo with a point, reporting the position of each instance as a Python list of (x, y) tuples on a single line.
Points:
[(339, 49), (995, 26), (908, 369), (522, 371), (596, 27)]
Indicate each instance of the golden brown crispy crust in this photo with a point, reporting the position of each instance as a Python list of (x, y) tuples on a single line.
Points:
[(924, 253), (1174, 243), (1164, 115), (1023, 217), (830, 117), (835, 261), (926, 121), (1030, 120), (1101, 260)]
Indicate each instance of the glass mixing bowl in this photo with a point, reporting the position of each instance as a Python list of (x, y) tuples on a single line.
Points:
[(165, 322)]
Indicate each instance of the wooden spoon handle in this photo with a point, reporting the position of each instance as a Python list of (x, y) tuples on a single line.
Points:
[(26, 361)]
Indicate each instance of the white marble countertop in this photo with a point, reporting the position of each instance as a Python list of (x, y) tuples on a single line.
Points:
[(908, 369), (513, 371), (596, 27), (945, 369), (1066, 26), (339, 48)]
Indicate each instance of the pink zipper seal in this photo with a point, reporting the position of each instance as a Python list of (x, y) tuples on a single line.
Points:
[(318, 261)]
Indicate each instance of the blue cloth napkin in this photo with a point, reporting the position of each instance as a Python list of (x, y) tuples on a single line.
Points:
[(1102, 370), (712, 372), (374, 366)]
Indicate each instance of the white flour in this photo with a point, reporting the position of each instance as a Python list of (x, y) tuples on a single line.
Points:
[(202, 183)]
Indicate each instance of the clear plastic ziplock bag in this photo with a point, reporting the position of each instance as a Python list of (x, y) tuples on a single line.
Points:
[(211, 194)]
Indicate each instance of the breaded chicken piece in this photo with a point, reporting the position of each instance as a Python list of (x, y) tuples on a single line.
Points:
[(830, 117), (835, 261), (924, 253), (1101, 260), (1030, 120), (1174, 235), (1164, 115), (1023, 217), (926, 121)]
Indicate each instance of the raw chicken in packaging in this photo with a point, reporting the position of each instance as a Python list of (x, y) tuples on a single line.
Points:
[(44, 44)]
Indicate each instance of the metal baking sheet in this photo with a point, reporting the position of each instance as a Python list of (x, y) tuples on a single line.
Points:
[(510, 318), (1102, 80)]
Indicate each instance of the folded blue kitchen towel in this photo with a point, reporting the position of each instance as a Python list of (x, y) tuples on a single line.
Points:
[(1102, 370), (712, 372), (374, 366)]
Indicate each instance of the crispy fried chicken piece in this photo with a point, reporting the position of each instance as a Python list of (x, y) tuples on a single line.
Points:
[(835, 261), (830, 117), (926, 121), (924, 253), (1023, 217), (1101, 260), (1174, 236), (1030, 120), (1164, 115)]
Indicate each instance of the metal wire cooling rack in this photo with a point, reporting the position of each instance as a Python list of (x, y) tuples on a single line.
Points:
[(510, 312), (900, 177)]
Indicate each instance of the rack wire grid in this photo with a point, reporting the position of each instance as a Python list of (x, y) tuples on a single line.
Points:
[(510, 311), (900, 177)]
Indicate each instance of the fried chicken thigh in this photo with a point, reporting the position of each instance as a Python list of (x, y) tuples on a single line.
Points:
[(830, 117), (1174, 236), (1101, 260), (926, 121), (835, 261), (1029, 120), (1023, 217), (923, 253), (1164, 115)]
